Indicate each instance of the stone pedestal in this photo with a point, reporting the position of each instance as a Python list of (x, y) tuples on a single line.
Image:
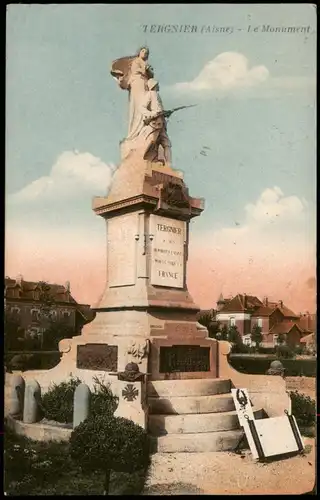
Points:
[(146, 309)]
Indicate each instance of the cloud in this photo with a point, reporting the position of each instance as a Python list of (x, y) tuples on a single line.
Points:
[(272, 204), (72, 175), (228, 70)]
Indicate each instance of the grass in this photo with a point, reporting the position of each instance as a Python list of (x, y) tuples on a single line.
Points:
[(45, 468)]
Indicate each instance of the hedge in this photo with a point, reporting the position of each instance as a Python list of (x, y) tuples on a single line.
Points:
[(259, 366), (32, 360)]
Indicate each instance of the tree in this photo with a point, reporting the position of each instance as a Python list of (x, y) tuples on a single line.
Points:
[(234, 335), (224, 333), (208, 319), (13, 333), (107, 443), (56, 331), (256, 335), (281, 339)]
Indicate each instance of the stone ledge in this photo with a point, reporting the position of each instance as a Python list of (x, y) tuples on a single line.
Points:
[(38, 431)]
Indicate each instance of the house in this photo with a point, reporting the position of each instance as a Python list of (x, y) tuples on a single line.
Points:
[(309, 342), (24, 299), (275, 319)]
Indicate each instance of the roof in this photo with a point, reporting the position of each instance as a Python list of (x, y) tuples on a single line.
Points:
[(58, 293), (287, 313), (308, 338), (284, 327), (263, 311), (241, 303)]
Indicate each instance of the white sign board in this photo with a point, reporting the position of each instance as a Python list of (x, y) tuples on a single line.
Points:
[(276, 436), (266, 437), (121, 250), (167, 251)]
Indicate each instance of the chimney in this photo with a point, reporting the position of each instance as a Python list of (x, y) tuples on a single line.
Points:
[(280, 303), (245, 300), (67, 286), (265, 301), (19, 279)]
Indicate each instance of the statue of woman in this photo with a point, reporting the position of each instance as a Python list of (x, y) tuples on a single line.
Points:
[(132, 74)]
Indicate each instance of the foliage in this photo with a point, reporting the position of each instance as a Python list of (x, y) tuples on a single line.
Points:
[(55, 332), (256, 335), (13, 333), (224, 333), (281, 339), (303, 408), (260, 365), (284, 351), (31, 360), (241, 348), (234, 335), (57, 403), (46, 468), (208, 319), (114, 443), (103, 401)]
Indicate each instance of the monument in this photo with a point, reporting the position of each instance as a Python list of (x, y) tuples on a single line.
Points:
[(145, 339), (146, 312)]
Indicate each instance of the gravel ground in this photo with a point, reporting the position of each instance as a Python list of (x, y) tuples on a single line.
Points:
[(229, 473)]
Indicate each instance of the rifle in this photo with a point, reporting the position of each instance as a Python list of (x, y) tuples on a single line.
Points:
[(167, 113)]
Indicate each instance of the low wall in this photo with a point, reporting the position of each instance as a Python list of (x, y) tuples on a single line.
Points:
[(266, 391), (38, 431), (305, 385)]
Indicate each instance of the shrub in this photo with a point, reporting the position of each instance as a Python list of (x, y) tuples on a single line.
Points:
[(57, 403), (102, 401), (259, 366), (303, 408), (112, 443), (284, 351)]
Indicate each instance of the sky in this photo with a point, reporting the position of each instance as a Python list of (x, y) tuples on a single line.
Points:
[(255, 90)]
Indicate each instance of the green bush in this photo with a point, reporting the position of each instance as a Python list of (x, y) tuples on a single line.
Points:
[(285, 352), (110, 444), (259, 366), (57, 403), (32, 360), (303, 408), (102, 401)]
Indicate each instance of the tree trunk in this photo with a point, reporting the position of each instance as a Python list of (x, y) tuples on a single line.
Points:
[(107, 482)]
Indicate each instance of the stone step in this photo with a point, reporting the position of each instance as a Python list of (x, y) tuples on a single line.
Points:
[(160, 425), (192, 387), (191, 404), (197, 443)]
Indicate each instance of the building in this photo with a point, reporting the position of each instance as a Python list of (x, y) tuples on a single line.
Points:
[(24, 299), (274, 318)]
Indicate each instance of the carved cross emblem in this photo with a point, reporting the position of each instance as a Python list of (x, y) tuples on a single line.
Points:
[(130, 393)]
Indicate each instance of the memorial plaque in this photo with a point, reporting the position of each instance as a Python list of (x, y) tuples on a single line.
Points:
[(167, 251), (121, 250), (97, 357), (184, 358)]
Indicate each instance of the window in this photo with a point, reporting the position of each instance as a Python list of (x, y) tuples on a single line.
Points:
[(34, 314), (247, 340), (15, 311), (260, 322), (232, 321), (53, 315), (66, 314)]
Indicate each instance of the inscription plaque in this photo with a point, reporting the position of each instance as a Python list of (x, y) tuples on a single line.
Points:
[(97, 357), (184, 358), (167, 251)]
